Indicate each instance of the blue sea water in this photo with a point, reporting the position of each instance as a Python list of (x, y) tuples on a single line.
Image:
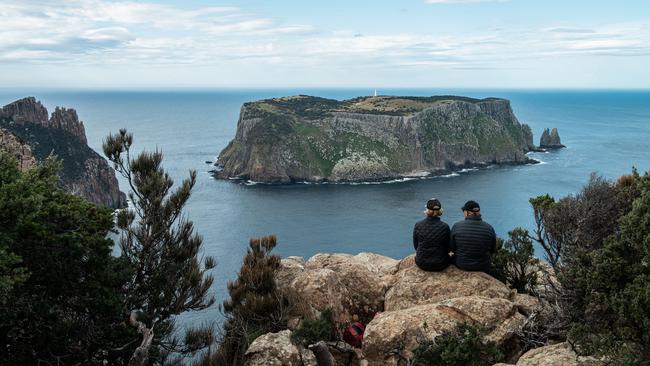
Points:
[(606, 132)]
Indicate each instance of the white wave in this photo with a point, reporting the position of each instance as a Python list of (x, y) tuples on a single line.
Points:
[(450, 175)]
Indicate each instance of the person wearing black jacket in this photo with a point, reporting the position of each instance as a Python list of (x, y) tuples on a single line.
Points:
[(473, 241), (431, 239)]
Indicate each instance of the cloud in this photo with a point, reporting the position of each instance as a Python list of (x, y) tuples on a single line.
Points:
[(130, 34)]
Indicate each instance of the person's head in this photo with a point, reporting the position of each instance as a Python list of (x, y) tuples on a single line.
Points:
[(433, 208), (471, 208)]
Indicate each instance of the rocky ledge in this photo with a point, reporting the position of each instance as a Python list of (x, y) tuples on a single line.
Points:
[(395, 299), (28, 133), (304, 138)]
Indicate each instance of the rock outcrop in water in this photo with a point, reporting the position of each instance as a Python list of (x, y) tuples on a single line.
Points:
[(312, 139), (550, 140), (28, 133), (395, 299)]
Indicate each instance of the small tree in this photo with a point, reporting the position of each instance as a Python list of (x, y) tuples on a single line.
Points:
[(256, 306), (513, 261), (552, 247), (160, 244)]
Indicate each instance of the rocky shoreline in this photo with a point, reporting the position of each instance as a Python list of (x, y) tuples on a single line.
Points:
[(397, 179)]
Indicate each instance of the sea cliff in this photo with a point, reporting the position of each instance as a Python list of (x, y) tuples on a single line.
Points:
[(304, 138), (28, 132)]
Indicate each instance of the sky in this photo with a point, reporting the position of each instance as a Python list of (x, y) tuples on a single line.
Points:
[(325, 43)]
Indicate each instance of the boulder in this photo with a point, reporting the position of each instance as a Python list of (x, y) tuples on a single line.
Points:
[(527, 304), (413, 286), (276, 349), (392, 335), (352, 286), (560, 354)]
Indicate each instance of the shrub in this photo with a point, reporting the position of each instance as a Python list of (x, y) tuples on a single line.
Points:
[(313, 331), (256, 306), (513, 260), (608, 289), (462, 347)]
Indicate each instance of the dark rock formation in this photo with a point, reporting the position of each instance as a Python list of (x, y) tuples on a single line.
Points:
[(85, 173), (550, 140), (314, 139)]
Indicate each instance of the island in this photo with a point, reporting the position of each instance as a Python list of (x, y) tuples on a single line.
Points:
[(311, 139)]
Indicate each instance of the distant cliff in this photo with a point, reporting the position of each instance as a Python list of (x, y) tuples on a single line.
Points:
[(305, 138), (28, 133)]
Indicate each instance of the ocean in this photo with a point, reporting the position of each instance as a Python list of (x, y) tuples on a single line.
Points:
[(606, 132)]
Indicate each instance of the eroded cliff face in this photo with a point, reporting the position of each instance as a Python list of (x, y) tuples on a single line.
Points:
[(85, 173), (21, 151), (376, 138)]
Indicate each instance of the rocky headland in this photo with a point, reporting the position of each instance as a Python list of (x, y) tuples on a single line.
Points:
[(399, 304), (550, 139), (29, 133), (311, 139)]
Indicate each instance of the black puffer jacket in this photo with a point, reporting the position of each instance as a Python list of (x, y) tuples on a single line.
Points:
[(472, 241), (431, 242)]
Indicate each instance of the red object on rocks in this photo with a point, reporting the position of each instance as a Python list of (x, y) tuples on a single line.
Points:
[(353, 335)]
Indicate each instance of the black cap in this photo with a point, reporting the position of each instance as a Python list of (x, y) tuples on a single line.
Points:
[(434, 204), (471, 206)]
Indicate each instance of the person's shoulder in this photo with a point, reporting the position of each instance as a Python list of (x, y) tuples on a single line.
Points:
[(487, 225)]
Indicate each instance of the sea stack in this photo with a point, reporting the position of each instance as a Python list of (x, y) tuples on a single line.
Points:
[(550, 140), (311, 139), (31, 135)]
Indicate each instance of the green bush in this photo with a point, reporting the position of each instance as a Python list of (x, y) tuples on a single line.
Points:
[(608, 289), (313, 331), (463, 347), (256, 306), (513, 260)]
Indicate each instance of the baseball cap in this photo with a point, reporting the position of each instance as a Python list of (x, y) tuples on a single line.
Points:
[(471, 206), (434, 204)]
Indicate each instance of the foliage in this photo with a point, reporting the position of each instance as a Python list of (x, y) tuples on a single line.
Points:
[(598, 242), (608, 288), (513, 260), (313, 331), (462, 347), (256, 306), (583, 221), (61, 300), (160, 244)]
